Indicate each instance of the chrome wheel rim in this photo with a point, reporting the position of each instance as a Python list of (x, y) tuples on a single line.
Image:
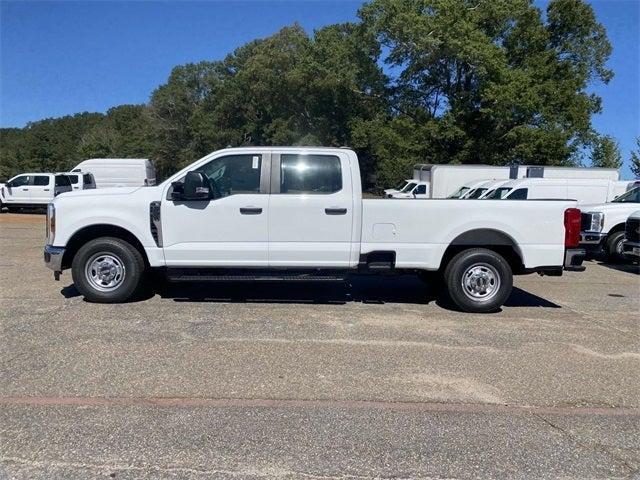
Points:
[(481, 282), (105, 271)]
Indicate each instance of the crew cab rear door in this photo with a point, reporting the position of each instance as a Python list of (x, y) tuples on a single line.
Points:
[(310, 209)]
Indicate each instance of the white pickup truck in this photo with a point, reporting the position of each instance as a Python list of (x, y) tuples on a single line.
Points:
[(603, 224), (33, 189), (285, 213)]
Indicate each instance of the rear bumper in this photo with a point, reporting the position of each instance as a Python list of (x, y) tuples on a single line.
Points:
[(53, 259), (573, 258)]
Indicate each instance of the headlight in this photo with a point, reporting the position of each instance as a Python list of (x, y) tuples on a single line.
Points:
[(597, 222), (51, 223)]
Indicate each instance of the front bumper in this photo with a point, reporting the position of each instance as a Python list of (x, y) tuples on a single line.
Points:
[(573, 258), (631, 249), (53, 259), (591, 238)]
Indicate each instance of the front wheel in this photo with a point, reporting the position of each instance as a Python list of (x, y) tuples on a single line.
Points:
[(478, 280), (108, 270), (613, 247)]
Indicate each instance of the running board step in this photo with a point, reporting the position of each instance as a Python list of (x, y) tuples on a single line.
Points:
[(185, 276)]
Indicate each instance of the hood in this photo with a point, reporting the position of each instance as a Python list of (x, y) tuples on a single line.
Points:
[(96, 192)]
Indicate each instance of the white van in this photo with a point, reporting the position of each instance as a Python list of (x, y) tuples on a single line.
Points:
[(584, 190), (492, 188), (33, 189), (119, 172)]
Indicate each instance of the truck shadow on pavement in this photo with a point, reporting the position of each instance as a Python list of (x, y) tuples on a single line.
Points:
[(362, 289)]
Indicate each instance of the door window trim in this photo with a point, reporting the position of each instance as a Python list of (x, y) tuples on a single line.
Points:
[(276, 172), (265, 173)]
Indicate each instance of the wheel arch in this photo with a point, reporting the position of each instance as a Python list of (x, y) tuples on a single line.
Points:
[(491, 239), (91, 232)]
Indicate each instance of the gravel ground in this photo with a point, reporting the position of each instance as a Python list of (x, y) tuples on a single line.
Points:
[(365, 379)]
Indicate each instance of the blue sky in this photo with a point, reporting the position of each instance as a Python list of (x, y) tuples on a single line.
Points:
[(59, 58)]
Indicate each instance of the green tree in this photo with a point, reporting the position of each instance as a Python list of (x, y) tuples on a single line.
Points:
[(606, 153), (490, 82), (634, 160)]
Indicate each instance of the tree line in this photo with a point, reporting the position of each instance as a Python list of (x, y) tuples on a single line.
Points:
[(412, 81)]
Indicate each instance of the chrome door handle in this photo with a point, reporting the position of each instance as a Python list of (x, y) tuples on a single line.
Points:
[(250, 211), (335, 211)]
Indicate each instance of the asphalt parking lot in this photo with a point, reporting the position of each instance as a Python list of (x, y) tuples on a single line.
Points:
[(368, 379)]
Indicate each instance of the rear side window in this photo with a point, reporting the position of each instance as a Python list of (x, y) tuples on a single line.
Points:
[(62, 181), (519, 194), (421, 190), (314, 174), (87, 179), (41, 180), (73, 179)]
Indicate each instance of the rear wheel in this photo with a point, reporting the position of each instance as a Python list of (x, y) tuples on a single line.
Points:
[(478, 280), (108, 270), (613, 247)]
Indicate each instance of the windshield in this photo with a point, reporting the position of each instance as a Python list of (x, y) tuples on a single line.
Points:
[(632, 196), (459, 193), (401, 185), (408, 187), (477, 193), (498, 193)]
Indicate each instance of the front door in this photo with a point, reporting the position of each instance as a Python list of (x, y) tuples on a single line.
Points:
[(18, 190), (228, 231), (310, 210)]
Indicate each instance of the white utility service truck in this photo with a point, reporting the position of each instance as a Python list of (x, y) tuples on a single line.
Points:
[(289, 213)]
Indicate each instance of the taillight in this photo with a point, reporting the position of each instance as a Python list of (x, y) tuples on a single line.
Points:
[(51, 223), (571, 227)]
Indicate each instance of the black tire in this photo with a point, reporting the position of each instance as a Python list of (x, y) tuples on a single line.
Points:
[(613, 247), (482, 268), (112, 254)]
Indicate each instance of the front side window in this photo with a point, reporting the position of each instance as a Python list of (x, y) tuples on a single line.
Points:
[(320, 174), (73, 179), (519, 194), (410, 186), (498, 193), (632, 196), (41, 180), (460, 193), (62, 181), (234, 174), (477, 193), (20, 181)]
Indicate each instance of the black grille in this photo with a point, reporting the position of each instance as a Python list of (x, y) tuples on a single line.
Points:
[(585, 222), (154, 222), (632, 230)]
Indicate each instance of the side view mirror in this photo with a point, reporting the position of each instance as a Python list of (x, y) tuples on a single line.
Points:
[(196, 186)]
